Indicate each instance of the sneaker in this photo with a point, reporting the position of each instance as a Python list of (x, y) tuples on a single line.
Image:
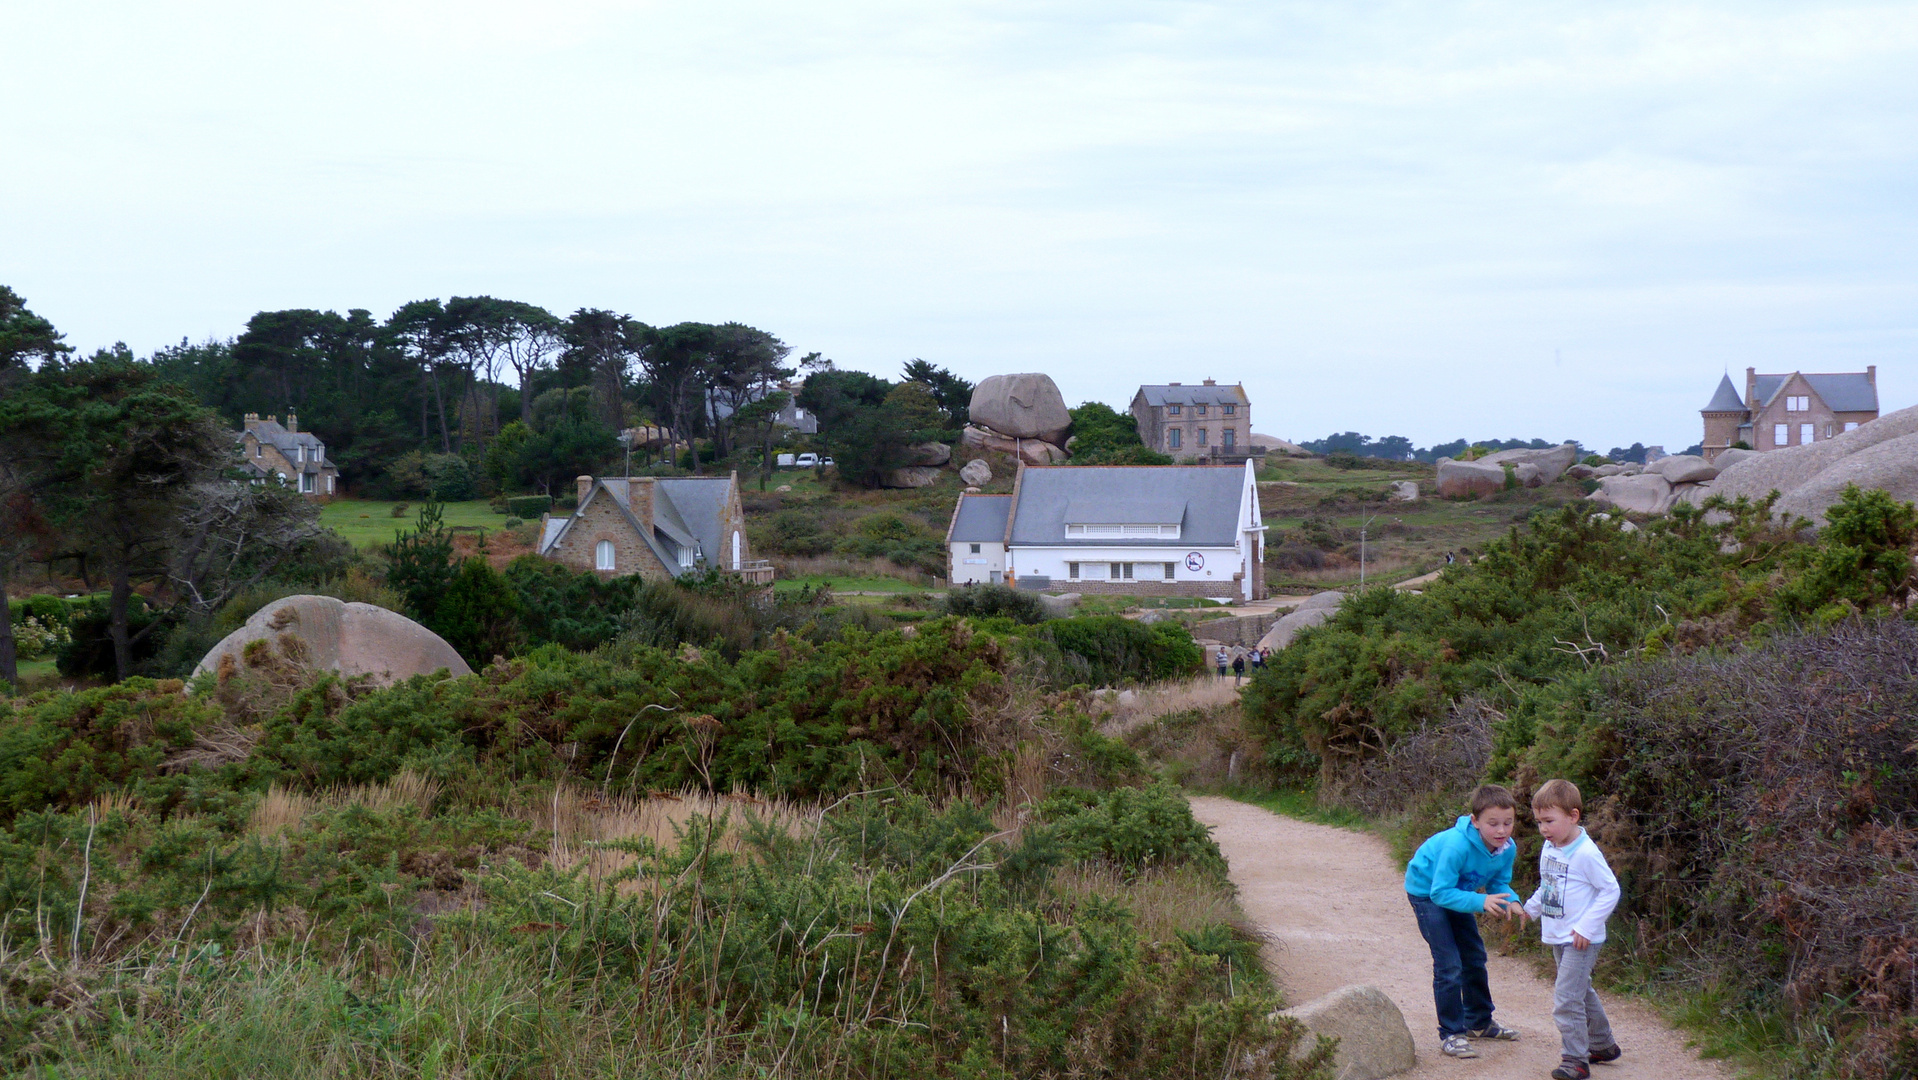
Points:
[(1457, 1046), (1571, 1070), (1493, 1031), (1607, 1055)]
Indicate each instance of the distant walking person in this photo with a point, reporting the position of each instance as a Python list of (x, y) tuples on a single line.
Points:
[(1258, 661), (1222, 661), (1448, 558), (1238, 668)]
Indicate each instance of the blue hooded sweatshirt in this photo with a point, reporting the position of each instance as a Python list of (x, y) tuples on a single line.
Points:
[(1453, 866)]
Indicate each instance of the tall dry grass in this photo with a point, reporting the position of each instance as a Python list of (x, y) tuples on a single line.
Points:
[(578, 821), (790, 566), (281, 809), (1149, 703)]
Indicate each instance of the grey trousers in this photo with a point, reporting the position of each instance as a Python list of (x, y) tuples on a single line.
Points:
[(1575, 1009)]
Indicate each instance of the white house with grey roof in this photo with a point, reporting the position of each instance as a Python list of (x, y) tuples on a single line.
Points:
[(976, 539), (295, 458), (1791, 409), (1145, 530), (1192, 422)]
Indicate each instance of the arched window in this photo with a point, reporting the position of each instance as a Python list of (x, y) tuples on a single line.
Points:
[(603, 555), (735, 549)]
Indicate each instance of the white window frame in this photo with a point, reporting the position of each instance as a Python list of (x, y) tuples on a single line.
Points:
[(975, 549), (604, 557), (1072, 571), (1111, 529), (1806, 433), (1120, 571), (1171, 571), (1851, 425), (1798, 403), (1781, 434)]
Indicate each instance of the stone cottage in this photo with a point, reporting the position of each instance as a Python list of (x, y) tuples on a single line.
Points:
[(1190, 422), (656, 527), (296, 458), (1793, 409)]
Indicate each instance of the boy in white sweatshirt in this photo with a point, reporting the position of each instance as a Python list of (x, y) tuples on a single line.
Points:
[(1576, 893)]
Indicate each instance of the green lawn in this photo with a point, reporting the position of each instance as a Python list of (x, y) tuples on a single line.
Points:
[(368, 524)]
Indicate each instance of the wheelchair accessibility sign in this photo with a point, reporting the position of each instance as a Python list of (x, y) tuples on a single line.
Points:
[(1195, 561)]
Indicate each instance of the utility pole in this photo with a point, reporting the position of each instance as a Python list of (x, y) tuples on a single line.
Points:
[(1366, 524)]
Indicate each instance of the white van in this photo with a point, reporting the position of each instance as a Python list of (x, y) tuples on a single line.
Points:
[(808, 460), (785, 461)]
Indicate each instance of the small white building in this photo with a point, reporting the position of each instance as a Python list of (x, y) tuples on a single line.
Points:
[(1143, 530), (976, 540)]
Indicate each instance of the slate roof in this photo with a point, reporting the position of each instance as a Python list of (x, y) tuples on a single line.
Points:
[(1849, 391), (1193, 395), (980, 519), (1726, 399), (1209, 495)]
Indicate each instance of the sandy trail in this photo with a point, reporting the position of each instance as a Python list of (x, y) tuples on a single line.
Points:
[(1335, 902)]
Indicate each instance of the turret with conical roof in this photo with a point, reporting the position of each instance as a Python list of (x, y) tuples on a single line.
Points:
[(1726, 414)]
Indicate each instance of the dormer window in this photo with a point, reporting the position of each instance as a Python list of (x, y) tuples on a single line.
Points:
[(1200, 409), (1088, 529), (1229, 410), (1172, 410)]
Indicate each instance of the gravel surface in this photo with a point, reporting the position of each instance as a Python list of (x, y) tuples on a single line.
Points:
[(1334, 901)]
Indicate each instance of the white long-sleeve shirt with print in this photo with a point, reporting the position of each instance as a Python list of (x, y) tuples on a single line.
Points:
[(1576, 892)]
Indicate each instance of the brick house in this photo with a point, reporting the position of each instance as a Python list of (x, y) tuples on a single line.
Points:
[(297, 458), (1792, 409), (656, 527), (1189, 422), (1133, 530)]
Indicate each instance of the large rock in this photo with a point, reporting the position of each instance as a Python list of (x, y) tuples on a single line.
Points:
[(1030, 451), (1405, 490), (1059, 607), (1458, 478), (1786, 470), (932, 453), (1551, 462), (1612, 469), (1274, 444), (1727, 458), (1581, 471), (976, 473), (1890, 466), (1695, 494), (916, 476), (1683, 468), (1374, 1041), (325, 634), (1023, 406), (1648, 493), (1528, 475), (1317, 608)]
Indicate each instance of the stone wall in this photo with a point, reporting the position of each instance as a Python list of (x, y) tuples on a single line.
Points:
[(1229, 587), (1244, 630)]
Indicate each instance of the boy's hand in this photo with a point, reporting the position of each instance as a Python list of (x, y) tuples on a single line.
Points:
[(1498, 905), (1580, 941)]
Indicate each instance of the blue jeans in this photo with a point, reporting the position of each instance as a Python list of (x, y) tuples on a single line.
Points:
[(1459, 983)]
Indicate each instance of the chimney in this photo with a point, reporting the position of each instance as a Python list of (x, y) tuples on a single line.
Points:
[(639, 500), (1751, 389), (1174, 384), (585, 488), (1211, 382), (252, 418), (292, 422), (1871, 375)]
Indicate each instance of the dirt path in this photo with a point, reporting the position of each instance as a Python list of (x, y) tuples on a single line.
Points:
[(1335, 901)]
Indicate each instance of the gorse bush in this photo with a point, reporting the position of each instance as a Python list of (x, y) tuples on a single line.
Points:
[(1105, 650), (995, 601)]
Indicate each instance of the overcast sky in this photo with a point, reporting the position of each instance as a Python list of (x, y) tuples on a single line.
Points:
[(1436, 220)]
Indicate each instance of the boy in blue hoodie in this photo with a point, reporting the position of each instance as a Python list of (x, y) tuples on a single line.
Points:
[(1457, 874)]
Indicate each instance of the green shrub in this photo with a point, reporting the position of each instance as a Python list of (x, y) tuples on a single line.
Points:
[(528, 507), (1103, 650), (1134, 829), (994, 601)]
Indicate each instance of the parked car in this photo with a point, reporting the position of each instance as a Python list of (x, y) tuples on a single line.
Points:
[(827, 462), (785, 461), (808, 460)]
